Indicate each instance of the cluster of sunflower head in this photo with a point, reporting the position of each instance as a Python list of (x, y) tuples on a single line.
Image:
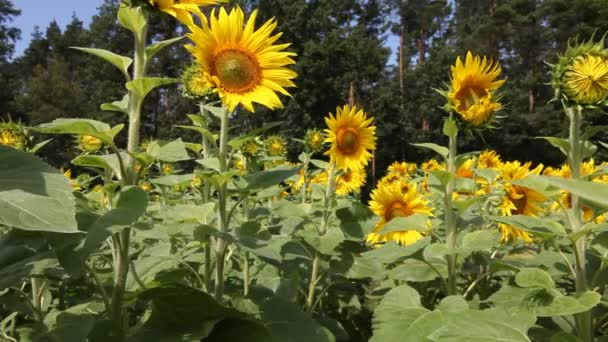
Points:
[(405, 191), (471, 93), (89, 143), (14, 134), (581, 75)]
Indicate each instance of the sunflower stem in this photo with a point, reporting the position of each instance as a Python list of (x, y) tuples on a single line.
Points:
[(220, 251), (583, 320), (121, 240), (449, 215)]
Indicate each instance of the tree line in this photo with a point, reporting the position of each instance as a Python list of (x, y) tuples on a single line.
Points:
[(343, 54)]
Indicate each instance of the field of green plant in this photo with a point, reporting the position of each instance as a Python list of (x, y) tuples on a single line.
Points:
[(224, 238)]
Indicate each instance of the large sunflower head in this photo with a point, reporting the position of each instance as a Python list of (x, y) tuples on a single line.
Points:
[(396, 200), (581, 75), (182, 10), (471, 92), (350, 181), (243, 64), (352, 137)]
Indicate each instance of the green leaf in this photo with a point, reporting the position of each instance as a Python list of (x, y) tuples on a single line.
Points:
[(542, 226), (481, 240), (33, 195), (173, 180), (153, 49), (121, 62), (265, 179), (364, 268), (95, 128), (210, 163), (560, 143), (286, 322), (232, 329), (87, 160), (395, 313), (563, 336), (491, 325), (179, 313), (450, 129), (203, 131), (73, 324), (417, 222), (117, 106), (131, 18), (591, 191), (413, 270), (570, 305), (534, 277), (392, 252), (189, 212), (142, 86), (441, 150), (172, 151)]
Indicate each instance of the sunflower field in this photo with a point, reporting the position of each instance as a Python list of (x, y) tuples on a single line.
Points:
[(225, 238)]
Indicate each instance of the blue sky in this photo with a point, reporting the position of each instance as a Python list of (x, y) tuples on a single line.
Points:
[(42, 12)]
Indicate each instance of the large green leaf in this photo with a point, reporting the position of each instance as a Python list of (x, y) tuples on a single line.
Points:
[(418, 271), (592, 191), (179, 313), (569, 305), (268, 178), (33, 195), (117, 106), (537, 225), (172, 151), (399, 308), (73, 324), (418, 222), (534, 277), (121, 62), (95, 128), (492, 325), (286, 322)]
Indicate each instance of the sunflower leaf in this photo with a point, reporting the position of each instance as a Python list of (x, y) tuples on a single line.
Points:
[(121, 62), (417, 222), (591, 191), (534, 225), (158, 46), (441, 150), (143, 86)]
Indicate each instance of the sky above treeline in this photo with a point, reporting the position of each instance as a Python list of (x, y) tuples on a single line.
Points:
[(41, 12)]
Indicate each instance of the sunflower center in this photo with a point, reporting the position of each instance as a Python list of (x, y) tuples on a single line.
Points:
[(347, 140), (237, 70), (470, 96), (397, 209)]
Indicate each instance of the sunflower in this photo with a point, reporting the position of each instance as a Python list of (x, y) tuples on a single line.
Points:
[(396, 200), (314, 140), (519, 200), (352, 137), (167, 169), (586, 79), (489, 160), (14, 135), (587, 168), (350, 181), (242, 64), (195, 85), (432, 165), (465, 170), (89, 143), (276, 146), (472, 86), (73, 182), (182, 9)]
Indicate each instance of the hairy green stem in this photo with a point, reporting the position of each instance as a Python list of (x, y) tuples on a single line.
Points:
[(121, 240), (221, 245), (38, 288), (449, 217), (583, 320), (314, 275)]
